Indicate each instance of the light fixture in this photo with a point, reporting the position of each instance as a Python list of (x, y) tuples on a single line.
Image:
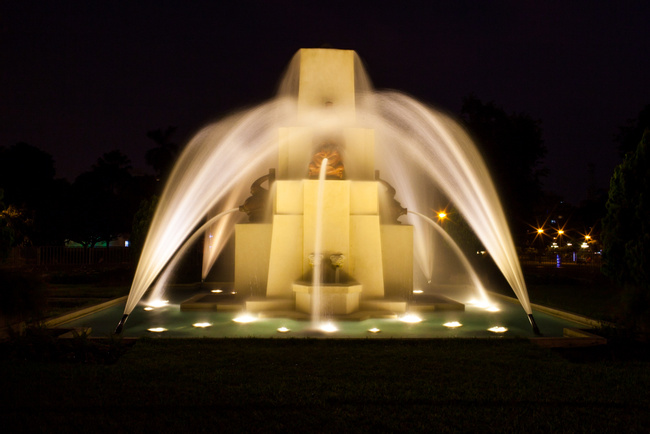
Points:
[(245, 318), (410, 318), (452, 324), (202, 325)]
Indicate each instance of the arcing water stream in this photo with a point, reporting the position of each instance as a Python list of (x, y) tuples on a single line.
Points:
[(417, 148)]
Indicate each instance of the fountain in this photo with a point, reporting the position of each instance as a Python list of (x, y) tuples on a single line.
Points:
[(323, 239)]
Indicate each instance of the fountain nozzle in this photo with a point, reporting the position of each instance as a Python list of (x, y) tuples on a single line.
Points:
[(534, 324), (120, 325)]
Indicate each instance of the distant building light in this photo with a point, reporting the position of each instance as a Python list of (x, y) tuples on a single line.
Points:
[(126, 243)]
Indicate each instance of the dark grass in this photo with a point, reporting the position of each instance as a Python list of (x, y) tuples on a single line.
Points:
[(295, 385), (65, 298), (573, 288)]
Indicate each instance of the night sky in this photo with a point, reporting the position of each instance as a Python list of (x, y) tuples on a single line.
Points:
[(80, 78)]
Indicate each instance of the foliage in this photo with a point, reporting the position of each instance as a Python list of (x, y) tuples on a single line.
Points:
[(36, 198), (23, 297), (626, 234), (6, 232), (630, 135), (513, 148), (105, 199), (163, 156), (461, 232), (141, 222)]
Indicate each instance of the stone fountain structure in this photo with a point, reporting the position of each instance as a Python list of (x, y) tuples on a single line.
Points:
[(331, 246), (366, 256)]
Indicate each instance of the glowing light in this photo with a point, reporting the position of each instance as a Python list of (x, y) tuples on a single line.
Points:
[(245, 318), (410, 318), (498, 329), (217, 291), (374, 330), (560, 232), (540, 231), (233, 292), (493, 309), (587, 237), (417, 291), (283, 330), (159, 303), (328, 328), (584, 245), (442, 215), (148, 308), (157, 329), (452, 324), (202, 325)]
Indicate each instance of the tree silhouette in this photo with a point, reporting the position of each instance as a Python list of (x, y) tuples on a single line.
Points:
[(162, 157), (30, 190), (513, 148), (626, 234), (630, 135), (102, 201)]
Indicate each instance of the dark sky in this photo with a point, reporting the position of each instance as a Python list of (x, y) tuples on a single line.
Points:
[(80, 78)]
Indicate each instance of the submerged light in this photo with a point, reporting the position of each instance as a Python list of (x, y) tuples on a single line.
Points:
[(410, 318), (328, 328), (283, 330), (202, 325), (148, 308), (498, 329), (157, 329), (417, 291), (245, 318), (217, 291), (374, 330), (493, 309), (452, 324), (159, 303)]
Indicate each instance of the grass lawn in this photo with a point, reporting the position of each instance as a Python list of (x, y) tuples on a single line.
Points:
[(302, 385), (578, 289), (64, 298)]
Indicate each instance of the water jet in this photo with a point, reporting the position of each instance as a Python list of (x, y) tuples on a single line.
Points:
[(328, 238)]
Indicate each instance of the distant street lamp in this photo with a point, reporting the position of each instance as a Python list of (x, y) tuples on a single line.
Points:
[(560, 232)]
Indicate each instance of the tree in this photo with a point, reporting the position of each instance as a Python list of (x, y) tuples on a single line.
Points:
[(513, 148), (102, 201), (626, 235), (141, 222), (162, 157), (27, 178), (630, 135)]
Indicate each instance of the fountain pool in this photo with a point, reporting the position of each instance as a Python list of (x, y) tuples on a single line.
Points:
[(332, 242), (475, 322)]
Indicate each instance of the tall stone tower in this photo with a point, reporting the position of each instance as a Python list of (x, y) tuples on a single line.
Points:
[(367, 258)]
